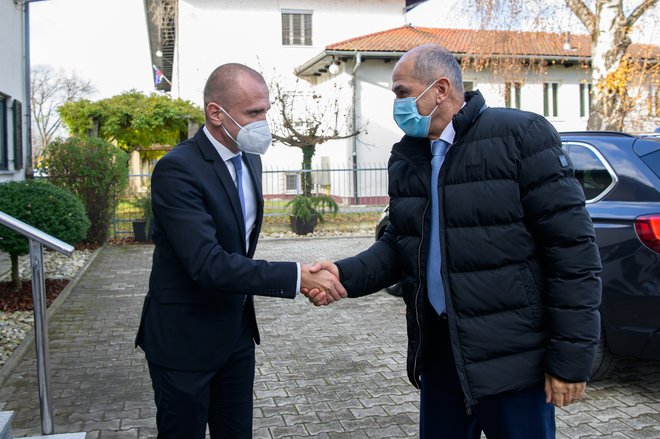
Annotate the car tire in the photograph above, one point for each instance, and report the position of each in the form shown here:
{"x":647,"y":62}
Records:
{"x":604,"y":361}
{"x":395,"y":290}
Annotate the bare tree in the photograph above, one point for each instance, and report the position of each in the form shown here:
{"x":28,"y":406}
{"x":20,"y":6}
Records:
{"x":609,"y":24}
{"x":50,"y":90}
{"x":305,"y":118}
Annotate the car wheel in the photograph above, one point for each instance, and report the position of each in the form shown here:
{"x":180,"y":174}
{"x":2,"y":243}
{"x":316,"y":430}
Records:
{"x":604,"y":361}
{"x":395,"y":290}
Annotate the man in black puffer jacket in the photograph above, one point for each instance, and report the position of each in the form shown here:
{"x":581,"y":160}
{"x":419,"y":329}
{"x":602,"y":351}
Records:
{"x":516,"y":262}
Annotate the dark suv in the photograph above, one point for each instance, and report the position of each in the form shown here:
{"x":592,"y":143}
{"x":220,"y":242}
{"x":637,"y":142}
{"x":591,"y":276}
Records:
{"x":620,"y":176}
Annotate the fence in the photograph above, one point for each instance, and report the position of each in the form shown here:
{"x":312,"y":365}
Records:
{"x":360,"y":192}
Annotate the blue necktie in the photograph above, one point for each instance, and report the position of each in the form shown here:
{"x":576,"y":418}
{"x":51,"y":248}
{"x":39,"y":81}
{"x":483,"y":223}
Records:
{"x":433,"y":276}
{"x":238,"y":166}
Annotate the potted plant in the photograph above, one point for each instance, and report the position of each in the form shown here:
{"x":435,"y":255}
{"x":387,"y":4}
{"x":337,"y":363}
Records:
{"x":307,"y":210}
{"x":141,"y":227}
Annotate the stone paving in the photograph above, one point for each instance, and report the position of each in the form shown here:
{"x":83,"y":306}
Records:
{"x":334,"y":372}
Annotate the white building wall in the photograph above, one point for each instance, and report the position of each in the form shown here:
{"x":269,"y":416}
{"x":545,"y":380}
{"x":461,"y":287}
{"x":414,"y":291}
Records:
{"x":211,"y":33}
{"x":12,"y":76}
{"x":375,"y":99}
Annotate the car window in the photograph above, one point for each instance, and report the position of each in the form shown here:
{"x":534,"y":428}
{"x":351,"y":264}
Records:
{"x":653,"y":161}
{"x":590,"y":170}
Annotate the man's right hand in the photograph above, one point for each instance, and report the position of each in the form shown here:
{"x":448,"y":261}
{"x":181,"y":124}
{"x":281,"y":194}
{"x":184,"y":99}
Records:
{"x":321,"y":286}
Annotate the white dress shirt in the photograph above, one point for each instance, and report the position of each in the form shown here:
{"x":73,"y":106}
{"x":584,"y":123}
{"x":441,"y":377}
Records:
{"x":249,"y":194}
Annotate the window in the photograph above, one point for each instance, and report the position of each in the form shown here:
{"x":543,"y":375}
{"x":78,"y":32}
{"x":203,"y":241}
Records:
{"x":652,"y":160}
{"x":512,"y":95}
{"x":468,"y":85}
{"x":291,"y":183}
{"x":296,"y":28}
{"x":3,"y":133}
{"x":18,"y":134}
{"x":592,"y":171}
{"x":585,"y":99}
{"x":550,"y":99}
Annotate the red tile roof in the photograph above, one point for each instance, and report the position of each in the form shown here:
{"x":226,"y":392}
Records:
{"x":483,"y":42}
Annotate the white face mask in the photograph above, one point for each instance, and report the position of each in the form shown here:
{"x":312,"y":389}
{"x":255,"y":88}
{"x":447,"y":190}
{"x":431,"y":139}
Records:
{"x":254,"y":137}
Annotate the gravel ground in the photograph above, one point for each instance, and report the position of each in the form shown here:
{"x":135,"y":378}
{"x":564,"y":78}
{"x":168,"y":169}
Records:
{"x":15,"y":326}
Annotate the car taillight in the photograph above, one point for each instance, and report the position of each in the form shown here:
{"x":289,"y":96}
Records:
{"x":648,"y":230}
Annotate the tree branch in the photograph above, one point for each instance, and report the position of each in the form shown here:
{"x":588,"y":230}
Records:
{"x":583,"y":13}
{"x":639,"y":11}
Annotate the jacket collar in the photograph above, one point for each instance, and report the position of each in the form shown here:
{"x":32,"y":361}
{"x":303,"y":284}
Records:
{"x":463,"y":120}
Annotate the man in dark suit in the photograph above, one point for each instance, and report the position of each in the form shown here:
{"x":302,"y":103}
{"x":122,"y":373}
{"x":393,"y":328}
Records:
{"x":198,"y":326}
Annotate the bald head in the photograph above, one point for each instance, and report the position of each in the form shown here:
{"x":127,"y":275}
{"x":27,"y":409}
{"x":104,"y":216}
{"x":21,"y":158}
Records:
{"x":431,"y":61}
{"x":221,"y":87}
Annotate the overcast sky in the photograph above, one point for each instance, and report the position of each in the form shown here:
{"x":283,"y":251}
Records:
{"x":106,"y":41}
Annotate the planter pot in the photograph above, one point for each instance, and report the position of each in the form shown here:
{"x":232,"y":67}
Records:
{"x":302,"y":228}
{"x":139,"y":230}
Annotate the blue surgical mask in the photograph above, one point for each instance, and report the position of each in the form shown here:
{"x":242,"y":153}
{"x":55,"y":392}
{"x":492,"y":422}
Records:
{"x":407,"y":117}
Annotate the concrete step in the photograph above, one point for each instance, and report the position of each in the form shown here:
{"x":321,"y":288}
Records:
{"x":5,"y":424}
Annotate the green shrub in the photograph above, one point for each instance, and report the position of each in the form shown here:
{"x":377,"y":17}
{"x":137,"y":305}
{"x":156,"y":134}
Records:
{"x":53,"y":210}
{"x":93,"y":169}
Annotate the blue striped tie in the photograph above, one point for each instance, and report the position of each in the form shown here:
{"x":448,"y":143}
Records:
{"x":238,"y":166}
{"x":434,"y":285}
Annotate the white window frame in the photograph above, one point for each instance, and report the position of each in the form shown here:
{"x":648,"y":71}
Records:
{"x":294,"y":190}
{"x":513,"y":94}
{"x":304,"y":39}
{"x":585,"y":99}
{"x":551,"y":99}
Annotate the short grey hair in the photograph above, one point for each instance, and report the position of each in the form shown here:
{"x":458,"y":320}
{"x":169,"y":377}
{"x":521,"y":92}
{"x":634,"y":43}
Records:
{"x":433,"y":61}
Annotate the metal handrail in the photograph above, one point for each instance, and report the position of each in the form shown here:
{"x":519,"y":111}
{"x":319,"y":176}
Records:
{"x":35,"y":234}
{"x":37,"y":239}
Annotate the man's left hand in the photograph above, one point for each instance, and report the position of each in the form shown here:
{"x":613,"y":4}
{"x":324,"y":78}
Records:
{"x":562,"y":393}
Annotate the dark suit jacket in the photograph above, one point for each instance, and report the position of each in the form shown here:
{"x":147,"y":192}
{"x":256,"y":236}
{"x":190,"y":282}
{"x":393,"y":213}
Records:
{"x":201,"y":270}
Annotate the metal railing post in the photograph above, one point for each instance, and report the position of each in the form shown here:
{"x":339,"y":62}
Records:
{"x":41,"y":336}
{"x":37,"y":239}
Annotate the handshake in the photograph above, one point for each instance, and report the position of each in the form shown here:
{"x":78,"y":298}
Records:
{"x":319,"y":282}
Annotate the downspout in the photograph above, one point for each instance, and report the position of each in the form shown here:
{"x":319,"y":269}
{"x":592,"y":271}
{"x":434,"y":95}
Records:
{"x":358,"y":61}
{"x":29,"y":166}
{"x":29,"y":172}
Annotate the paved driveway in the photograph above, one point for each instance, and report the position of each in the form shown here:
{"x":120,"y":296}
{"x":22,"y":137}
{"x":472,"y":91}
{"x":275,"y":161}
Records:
{"x":334,"y":372}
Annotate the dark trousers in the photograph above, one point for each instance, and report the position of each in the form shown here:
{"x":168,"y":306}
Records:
{"x":511,"y":415}
{"x":187,"y":401}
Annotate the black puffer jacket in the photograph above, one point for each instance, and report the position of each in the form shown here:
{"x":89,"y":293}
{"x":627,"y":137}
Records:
{"x":519,"y":262}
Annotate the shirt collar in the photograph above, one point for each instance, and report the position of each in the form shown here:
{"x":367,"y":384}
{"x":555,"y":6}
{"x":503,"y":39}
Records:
{"x":225,"y":153}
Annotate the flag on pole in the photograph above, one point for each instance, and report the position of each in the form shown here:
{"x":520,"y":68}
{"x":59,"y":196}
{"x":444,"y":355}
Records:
{"x":159,"y":76}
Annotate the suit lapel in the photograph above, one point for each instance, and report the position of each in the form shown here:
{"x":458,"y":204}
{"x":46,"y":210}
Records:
{"x":210,"y":154}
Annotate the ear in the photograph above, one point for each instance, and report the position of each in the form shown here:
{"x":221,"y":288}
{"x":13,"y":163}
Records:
{"x":444,"y":89}
{"x":214,"y":114}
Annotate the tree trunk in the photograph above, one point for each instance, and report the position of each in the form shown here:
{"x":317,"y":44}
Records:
{"x":306,"y":178}
{"x":15,"y":275}
{"x":609,"y":42}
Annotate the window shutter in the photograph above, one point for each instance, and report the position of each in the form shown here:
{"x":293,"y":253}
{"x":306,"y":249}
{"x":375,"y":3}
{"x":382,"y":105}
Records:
{"x":17,"y":108}
{"x":286,"y":29}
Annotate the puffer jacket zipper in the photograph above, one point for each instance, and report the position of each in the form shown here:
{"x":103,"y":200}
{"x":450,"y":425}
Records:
{"x":416,"y":301}
{"x":451,"y":315}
